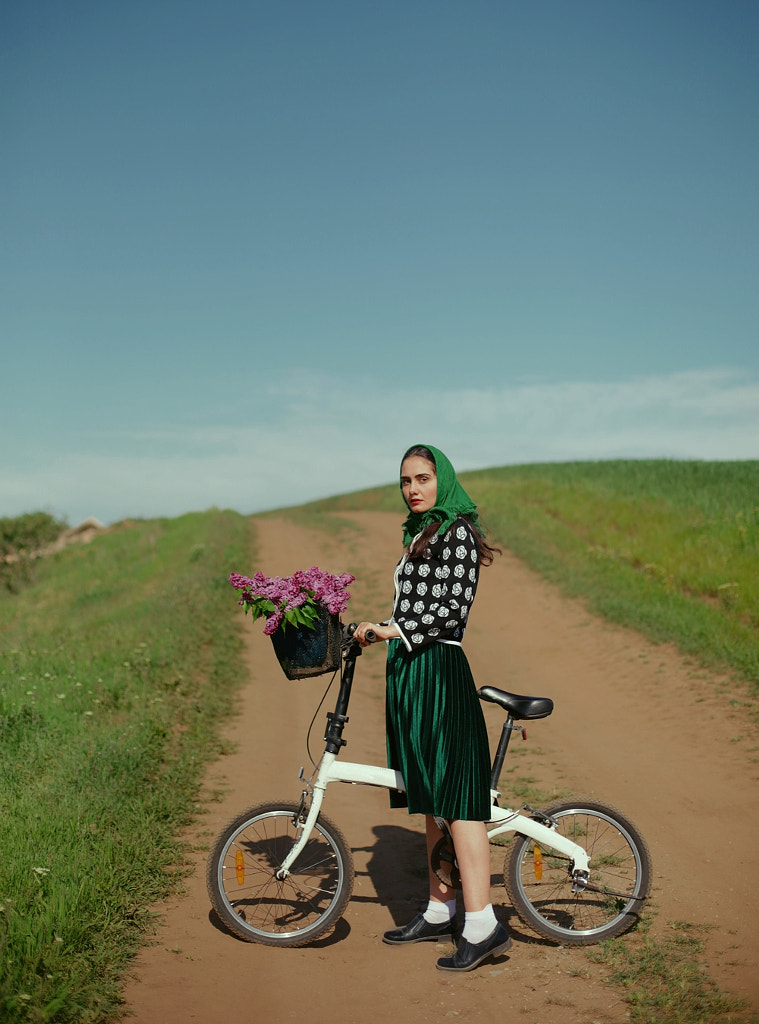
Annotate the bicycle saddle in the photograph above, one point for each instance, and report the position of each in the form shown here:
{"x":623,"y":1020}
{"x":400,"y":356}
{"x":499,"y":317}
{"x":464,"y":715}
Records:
{"x":520,"y":708}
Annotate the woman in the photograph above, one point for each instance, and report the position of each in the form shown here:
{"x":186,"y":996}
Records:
{"x":436,"y":734}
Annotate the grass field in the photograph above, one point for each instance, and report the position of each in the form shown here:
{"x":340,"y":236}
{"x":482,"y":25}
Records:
{"x":115,"y":669}
{"x":119,"y":662}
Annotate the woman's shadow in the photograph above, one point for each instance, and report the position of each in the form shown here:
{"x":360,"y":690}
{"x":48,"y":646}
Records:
{"x":397,"y":869}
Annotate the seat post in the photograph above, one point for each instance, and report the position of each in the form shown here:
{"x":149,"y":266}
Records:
{"x":500,"y":754}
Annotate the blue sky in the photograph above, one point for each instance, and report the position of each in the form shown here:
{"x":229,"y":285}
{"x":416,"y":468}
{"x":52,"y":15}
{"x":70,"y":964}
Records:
{"x":251,"y":251}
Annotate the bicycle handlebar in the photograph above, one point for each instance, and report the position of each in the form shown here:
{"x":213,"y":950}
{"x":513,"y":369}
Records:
{"x":370,"y":635}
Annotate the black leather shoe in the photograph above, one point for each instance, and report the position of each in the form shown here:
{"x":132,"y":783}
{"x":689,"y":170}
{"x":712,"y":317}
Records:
{"x":470,"y":954}
{"x":418,"y":930}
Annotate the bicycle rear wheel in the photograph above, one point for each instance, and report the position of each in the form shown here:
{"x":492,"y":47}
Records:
{"x":539,"y":881}
{"x":259,"y":907}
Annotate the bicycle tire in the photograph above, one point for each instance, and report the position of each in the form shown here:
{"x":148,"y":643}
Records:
{"x":539,"y":883}
{"x":248,"y":897}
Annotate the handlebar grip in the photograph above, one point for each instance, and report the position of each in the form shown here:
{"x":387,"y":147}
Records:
{"x":371,"y":636}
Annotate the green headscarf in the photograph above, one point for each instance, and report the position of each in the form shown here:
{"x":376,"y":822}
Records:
{"x":452,"y":500}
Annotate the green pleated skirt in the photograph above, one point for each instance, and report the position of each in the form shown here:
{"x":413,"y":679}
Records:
{"x":436,"y":735}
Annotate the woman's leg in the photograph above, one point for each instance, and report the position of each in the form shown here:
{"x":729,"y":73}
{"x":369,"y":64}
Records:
{"x":482,"y":936}
{"x":473,"y":856}
{"x":439,"y":892}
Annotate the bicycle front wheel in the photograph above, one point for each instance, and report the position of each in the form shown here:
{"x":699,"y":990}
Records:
{"x":539,"y":881}
{"x":257,"y":906}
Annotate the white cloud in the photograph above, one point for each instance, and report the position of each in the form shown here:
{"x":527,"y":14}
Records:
{"x":316,"y":437}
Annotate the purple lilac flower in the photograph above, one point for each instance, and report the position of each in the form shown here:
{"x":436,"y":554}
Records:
{"x":273,"y":623}
{"x":306,"y":586}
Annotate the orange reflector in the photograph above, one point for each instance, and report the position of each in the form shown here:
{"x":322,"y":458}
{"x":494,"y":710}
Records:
{"x":537,"y":863}
{"x":240,"y":867}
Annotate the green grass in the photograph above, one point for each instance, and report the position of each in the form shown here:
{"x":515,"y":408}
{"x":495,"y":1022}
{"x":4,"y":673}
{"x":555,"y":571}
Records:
{"x":663,"y":981}
{"x":668,"y":548}
{"x":114,"y":670}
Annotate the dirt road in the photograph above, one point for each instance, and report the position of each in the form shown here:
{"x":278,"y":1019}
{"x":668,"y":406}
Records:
{"x":635,"y":724}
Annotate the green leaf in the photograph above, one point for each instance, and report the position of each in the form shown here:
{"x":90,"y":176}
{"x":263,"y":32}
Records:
{"x":310,"y":614}
{"x":305,"y":615}
{"x":259,"y":606}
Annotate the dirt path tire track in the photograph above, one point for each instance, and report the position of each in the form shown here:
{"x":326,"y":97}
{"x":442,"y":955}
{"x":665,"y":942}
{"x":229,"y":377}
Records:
{"x":635,"y":724}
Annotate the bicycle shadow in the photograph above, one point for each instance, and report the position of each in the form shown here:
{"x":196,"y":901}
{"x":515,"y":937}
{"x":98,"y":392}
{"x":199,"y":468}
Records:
{"x":397,"y":870}
{"x":339,"y":933}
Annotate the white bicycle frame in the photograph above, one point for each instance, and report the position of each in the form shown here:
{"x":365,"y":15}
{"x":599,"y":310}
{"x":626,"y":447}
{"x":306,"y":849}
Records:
{"x":502,"y":820}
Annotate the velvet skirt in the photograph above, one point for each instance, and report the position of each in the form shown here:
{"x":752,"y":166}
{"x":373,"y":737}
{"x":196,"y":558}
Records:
{"x":436,"y":734}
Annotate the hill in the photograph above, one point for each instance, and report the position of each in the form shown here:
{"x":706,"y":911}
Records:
{"x":667,"y":547}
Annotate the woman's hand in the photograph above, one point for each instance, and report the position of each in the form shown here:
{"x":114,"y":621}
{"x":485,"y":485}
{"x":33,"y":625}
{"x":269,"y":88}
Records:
{"x":380,"y":632}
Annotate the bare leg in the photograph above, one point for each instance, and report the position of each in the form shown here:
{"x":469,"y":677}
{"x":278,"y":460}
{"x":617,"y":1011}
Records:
{"x":482,"y":936}
{"x":439,"y":892}
{"x":473,"y":856}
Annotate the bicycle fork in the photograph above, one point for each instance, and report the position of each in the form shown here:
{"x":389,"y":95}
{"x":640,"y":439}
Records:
{"x":332,"y":770}
{"x":317,"y":796}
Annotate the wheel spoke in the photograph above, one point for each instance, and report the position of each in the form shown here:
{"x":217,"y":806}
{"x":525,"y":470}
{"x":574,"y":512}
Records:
{"x":257,"y":905}
{"x":547,"y":898}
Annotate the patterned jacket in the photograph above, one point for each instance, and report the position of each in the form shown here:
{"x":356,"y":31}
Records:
{"x":434,"y":591}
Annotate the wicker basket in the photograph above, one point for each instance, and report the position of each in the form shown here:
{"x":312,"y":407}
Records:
{"x":304,"y":652}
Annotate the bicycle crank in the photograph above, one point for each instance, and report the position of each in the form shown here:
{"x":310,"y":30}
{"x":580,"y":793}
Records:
{"x":444,"y":865}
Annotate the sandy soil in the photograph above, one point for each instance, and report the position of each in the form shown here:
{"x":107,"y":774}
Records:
{"x":635,"y":724}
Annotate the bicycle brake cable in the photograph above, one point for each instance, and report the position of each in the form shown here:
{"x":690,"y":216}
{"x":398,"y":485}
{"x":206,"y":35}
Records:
{"x":324,"y":697}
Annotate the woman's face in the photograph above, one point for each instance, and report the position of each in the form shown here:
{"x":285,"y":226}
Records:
{"x":418,"y":483}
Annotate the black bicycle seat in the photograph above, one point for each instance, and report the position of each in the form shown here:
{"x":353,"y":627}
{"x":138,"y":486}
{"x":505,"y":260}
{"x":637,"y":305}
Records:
{"x":519,"y":707}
